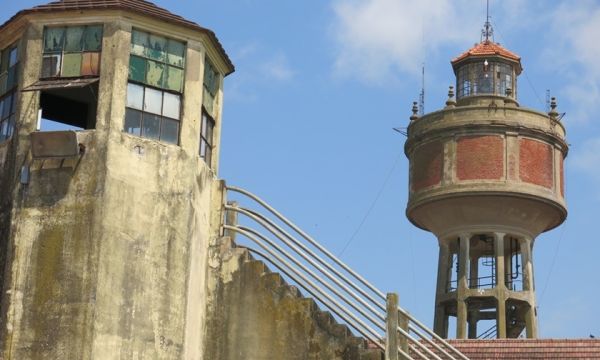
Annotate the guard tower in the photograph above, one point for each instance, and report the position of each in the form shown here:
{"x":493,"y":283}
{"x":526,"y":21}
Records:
{"x":486,"y":177}
{"x":110,"y":118}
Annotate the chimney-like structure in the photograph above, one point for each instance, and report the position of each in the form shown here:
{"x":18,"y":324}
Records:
{"x":486,"y":177}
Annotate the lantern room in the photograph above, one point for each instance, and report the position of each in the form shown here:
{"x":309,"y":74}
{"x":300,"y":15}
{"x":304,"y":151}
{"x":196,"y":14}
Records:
{"x":487,"y":69}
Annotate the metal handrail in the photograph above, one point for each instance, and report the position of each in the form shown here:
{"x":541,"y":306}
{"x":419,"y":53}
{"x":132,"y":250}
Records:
{"x":313,"y":289}
{"x":293,"y":243}
{"x":309,"y":239}
{"x":337,"y":277}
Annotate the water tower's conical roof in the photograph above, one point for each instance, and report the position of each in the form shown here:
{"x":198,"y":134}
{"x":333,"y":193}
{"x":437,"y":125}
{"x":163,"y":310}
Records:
{"x":487,"y":48}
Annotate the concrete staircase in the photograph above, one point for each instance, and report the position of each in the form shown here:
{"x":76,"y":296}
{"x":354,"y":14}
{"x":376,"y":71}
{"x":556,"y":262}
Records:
{"x":258,"y":315}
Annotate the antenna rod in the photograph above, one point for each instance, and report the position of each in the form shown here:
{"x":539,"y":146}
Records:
{"x":422,"y":94}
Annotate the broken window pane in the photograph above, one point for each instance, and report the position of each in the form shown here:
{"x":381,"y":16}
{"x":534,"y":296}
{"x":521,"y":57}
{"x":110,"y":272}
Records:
{"x":71,"y":65}
{"x":175,"y":52}
{"x":171,"y":104}
{"x":90,"y":64}
{"x":54,"y":39}
{"x":157,"y":48}
{"x":135,"y":96}
{"x":92,"y":40}
{"x":73,"y":41}
{"x":137,"y":69}
{"x":151,"y":126}
{"x":153,"y":101}
{"x":170,"y":131}
{"x":50,"y":66}
{"x":155,"y":74}
{"x":174,"y":79}
{"x":133,"y":120}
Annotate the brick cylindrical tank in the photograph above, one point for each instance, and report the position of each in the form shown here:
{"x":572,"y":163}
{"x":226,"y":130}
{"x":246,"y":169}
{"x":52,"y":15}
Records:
{"x":486,"y":177}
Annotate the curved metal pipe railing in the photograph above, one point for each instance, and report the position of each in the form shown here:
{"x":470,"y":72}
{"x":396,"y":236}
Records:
{"x":366,"y":299}
{"x":311,"y":287}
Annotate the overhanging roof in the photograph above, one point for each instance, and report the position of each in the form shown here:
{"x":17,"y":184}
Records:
{"x":60,"y":84}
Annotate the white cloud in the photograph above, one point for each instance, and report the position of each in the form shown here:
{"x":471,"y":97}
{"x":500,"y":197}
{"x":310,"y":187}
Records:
{"x":576,"y":49}
{"x":586,"y":158}
{"x":277,"y":68}
{"x":376,"y":38}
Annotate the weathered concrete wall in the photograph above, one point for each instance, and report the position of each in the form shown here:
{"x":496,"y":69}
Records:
{"x":254,"y":314}
{"x":106,"y":254}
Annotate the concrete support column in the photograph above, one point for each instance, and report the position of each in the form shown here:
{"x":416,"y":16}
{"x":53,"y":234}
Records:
{"x":231,"y":218}
{"x":440,"y":323}
{"x":528,"y":285}
{"x":473,"y":318}
{"x":500,"y":286}
{"x":461,"y":301}
{"x":391,"y":344}
{"x":474,"y":272}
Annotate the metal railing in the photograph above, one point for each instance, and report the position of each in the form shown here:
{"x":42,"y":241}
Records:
{"x":331,"y":282}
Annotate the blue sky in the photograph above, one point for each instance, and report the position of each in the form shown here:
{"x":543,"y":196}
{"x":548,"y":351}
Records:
{"x":308,"y":119}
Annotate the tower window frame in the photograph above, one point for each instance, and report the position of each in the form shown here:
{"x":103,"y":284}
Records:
{"x":148,"y":117}
{"x":9,"y":64}
{"x":207,"y":127}
{"x":211,"y":84}
{"x":475,"y":78}
{"x":72,"y":51}
{"x":155,"y":87}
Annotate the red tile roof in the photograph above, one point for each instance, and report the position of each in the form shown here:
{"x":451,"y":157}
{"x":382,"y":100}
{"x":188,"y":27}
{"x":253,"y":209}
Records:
{"x":487,"y":48}
{"x":136,"y":6}
{"x":529,"y":349}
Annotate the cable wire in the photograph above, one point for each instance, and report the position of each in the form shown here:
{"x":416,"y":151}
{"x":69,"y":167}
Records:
{"x":364,"y":219}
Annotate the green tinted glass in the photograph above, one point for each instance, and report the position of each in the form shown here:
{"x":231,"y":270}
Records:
{"x":174,"y":79}
{"x":155,"y":74}
{"x":208,"y":100}
{"x":176,"y":53}
{"x":54,"y":39}
{"x":157,"y":48}
{"x":139,"y":43}
{"x":137,"y":68}
{"x":71,"y":65}
{"x":73,"y":39}
{"x":92,"y":40}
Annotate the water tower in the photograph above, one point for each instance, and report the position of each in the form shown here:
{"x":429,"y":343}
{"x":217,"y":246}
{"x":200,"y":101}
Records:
{"x":486,"y":177}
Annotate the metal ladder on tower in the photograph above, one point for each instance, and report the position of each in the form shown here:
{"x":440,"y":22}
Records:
{"x":331,"y":282}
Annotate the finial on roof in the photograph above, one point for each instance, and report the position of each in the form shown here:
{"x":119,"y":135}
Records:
{"x":553,"y":113}
{"x":415,"y":112}
{"x":488,"y":31}
{"x":451,"y":102}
